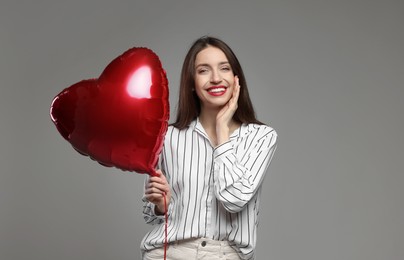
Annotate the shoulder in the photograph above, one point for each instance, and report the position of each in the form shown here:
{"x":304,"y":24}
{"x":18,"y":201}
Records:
{"x":172,"y":129}
{"x":174,"y":133}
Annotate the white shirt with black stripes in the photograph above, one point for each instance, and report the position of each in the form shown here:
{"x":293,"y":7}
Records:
{"x":215,"y":190}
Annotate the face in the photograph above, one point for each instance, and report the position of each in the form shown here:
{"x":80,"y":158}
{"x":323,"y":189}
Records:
{"x":214,"y":78}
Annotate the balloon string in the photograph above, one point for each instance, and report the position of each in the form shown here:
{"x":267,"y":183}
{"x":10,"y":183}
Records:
{"x":166,"y":225}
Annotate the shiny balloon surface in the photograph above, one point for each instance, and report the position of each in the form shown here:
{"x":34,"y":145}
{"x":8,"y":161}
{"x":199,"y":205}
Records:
{"x":119,"y":119}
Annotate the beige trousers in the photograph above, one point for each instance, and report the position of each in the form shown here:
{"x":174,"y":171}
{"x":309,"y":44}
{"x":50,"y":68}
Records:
{"x":194,"y":249}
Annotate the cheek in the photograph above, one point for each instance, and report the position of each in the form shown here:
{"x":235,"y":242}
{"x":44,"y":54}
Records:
{"x":230,"y":78}
{"x":199,"y":82}
{"x":198,"y":86}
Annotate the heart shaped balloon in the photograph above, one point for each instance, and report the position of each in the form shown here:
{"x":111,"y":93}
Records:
{"x":119,"y":119}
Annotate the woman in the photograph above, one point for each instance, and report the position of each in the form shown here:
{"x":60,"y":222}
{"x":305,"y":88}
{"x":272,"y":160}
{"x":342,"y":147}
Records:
{"x":212,"y":164}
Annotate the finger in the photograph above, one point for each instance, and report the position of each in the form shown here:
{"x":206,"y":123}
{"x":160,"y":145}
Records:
{"x":154,"y":195}
{"x":235,"y":96}
{"x":159,"y":188}
{"x":238,"y":83}
{"x":154,"y":198}
{"x":153,"y":191}
{"x":156,"y":180}
{"x":161,"y":179}
{"x":162,"y":187}
{"x":159,"y":175}
{"x":237,"y":93}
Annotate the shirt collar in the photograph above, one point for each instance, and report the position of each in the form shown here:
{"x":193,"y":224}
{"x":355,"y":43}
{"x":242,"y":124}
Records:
{"x":197,"y":126}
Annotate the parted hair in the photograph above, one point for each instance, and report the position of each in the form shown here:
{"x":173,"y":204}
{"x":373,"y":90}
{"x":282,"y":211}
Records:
{"x":189,"y":106}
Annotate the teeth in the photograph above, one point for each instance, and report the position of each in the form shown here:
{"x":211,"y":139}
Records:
{"x":214,"y":90}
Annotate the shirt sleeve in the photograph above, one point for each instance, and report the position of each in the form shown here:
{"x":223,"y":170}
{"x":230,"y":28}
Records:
{"x":238,"y":175}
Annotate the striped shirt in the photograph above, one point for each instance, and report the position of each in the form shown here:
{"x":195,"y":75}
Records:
{"x":215,"y":191}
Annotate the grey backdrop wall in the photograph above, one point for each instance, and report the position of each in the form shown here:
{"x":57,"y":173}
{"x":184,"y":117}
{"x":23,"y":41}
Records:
{"x":327,"y":75}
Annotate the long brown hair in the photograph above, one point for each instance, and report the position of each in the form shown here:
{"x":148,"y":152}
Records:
{"x":189,"y":106}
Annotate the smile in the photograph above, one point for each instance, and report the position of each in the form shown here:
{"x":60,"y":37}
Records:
{"x":217,"y":90}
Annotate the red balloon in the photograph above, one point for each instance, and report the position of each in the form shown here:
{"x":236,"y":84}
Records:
{"x":119,"y":119}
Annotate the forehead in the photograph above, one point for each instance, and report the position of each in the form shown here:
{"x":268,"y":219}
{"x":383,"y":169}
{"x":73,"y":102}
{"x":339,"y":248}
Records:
{"x":210,"y":55}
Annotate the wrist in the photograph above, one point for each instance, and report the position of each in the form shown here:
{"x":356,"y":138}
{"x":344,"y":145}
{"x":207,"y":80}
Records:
{"x":222,"y":138}
{"x":159,"y":209}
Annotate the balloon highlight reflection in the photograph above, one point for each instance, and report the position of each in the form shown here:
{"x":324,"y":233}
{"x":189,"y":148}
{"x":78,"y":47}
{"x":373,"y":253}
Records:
{"x":119,"y":119}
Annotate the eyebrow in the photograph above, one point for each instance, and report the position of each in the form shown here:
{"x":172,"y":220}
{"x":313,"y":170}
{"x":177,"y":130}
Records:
{"x":207,"y":65}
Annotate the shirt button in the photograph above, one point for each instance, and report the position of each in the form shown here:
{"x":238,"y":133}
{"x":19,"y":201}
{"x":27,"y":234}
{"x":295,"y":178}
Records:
{"x":203,"y":243}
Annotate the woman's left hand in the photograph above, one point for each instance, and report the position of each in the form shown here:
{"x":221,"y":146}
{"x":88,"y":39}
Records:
{"x":225,"y":115}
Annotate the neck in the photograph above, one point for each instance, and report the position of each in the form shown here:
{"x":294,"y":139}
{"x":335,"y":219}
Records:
{"x":207,"y":118}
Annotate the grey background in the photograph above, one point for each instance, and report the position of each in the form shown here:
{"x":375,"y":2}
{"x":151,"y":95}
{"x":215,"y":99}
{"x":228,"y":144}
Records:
{"x":328,"y":75}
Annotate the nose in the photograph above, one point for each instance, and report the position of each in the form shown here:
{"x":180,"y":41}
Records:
{"x":215,"y":77}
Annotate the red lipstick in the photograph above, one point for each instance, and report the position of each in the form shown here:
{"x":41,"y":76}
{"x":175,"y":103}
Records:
{"x":217,"y":90}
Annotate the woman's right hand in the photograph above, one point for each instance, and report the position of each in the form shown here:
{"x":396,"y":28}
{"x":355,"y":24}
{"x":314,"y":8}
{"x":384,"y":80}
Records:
{"x":156,"y":187}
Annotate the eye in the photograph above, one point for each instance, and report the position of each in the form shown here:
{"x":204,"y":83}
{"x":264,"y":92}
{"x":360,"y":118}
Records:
{"x":225,"y":68}
{"x":202,"y":70}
